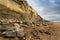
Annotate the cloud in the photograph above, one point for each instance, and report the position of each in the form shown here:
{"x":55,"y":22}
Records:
{"x":48,"y":9}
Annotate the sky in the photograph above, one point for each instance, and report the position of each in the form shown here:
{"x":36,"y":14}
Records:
{"x":47,"y":9}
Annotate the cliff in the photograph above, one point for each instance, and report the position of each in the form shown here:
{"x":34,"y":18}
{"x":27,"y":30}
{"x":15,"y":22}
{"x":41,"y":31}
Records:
{"x":19,"y":21}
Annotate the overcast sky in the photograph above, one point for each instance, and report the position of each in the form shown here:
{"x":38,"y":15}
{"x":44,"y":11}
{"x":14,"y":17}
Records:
{"x":47,"y":9}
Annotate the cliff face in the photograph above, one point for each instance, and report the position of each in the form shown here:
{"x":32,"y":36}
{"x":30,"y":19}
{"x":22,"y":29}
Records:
{"x":20,"y":8}
{"x":19,"y":21}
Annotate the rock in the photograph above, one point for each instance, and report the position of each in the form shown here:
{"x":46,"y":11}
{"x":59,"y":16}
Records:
{"x":17,"y":26}
{"x":9,"y":34}
{"x":25,"y":24}
{"x":38,"y":24}
{"x":2,"y":28}
{"x":3,"y":21}
{"x":0,"y":22}
{"x":47,"y":32}
{"x":20,"y":32}
{"x":34,"y":33}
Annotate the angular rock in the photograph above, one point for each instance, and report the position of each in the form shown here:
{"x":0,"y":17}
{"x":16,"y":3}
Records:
{"x":20,"y":32}
{"x":9,"y":34}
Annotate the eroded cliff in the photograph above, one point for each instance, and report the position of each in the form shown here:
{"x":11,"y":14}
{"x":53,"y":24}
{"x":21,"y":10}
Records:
{"x":19,"y":21}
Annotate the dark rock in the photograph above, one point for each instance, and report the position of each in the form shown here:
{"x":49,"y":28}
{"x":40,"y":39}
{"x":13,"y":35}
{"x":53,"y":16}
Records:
{"x":48,"y":33}
{"x":26,"y":23}
{"x":33,"y":23}
{"x":0,"y":22}
{"x":34,"y":33}
{"x":40,"y":31}
{"x":2,"y":28}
